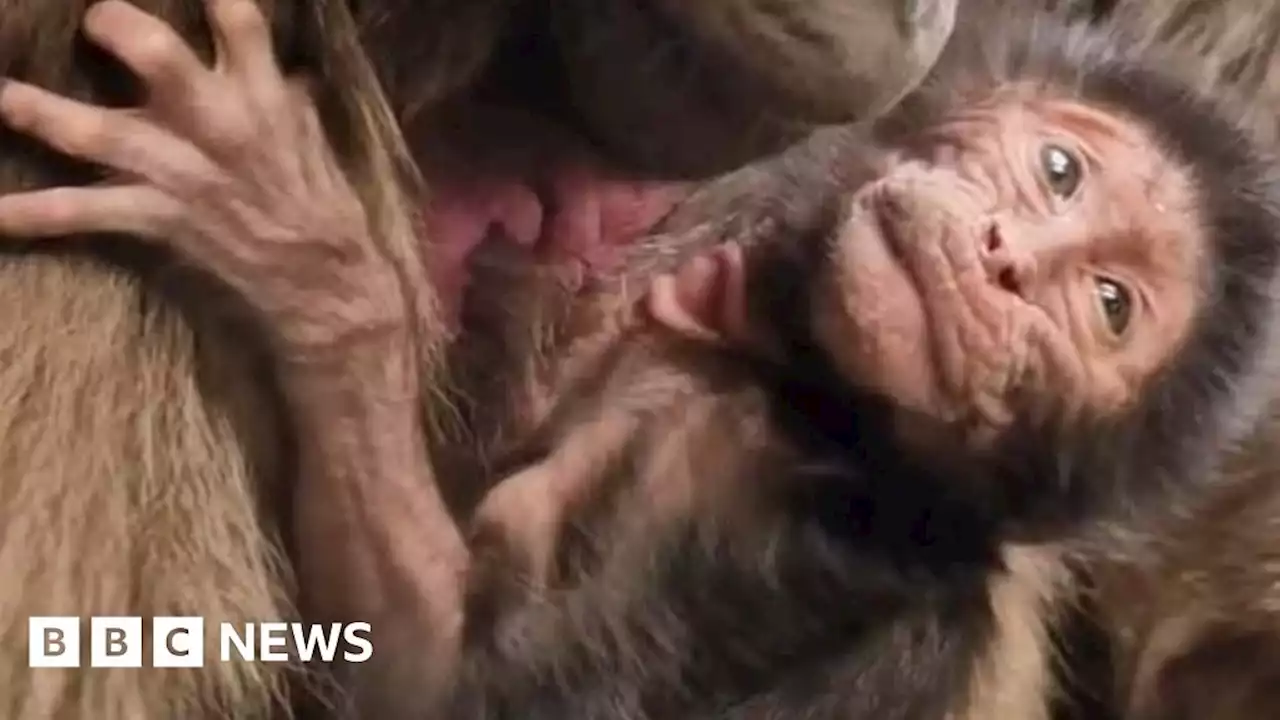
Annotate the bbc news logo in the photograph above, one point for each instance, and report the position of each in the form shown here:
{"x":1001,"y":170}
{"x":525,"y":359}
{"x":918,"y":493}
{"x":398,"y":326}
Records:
{"x":179,"y":642}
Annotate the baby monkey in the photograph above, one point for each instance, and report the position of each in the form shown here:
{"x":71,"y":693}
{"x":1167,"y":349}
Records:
{"x":850,"y":462}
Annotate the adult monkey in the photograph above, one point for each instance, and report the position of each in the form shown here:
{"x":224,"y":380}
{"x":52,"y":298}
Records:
{"x":1241,"y":219}
{"x":101,"y":358}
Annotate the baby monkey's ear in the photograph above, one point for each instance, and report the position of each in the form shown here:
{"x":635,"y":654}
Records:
{"x":705,"y":298}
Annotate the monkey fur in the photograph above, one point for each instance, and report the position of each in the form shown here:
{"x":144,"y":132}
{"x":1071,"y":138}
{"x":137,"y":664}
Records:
{"x":668,"y":87}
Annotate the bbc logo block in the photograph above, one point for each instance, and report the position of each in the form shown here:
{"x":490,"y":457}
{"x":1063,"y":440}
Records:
{"x":179,"y":642}
{"x":115,"y":642}
{"x":54,"y":642}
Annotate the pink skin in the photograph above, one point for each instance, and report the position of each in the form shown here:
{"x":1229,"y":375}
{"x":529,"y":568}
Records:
{"x":499,"y":170}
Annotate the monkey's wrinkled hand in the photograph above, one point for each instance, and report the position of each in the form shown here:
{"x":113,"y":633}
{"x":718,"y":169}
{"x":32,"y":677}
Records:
{"x":229,"y":167}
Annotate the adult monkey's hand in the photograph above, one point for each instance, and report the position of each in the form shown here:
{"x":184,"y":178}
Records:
{"x":230,"y":167}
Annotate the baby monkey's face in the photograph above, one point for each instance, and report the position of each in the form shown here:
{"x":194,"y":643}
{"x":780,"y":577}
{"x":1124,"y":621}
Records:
{"x":1026,"y":252}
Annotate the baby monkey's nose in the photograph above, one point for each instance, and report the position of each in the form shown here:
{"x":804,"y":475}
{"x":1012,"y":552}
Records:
{"x":1006,"y":266}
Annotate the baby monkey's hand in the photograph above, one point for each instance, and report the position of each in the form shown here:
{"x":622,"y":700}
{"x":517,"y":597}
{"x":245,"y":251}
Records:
{"x":230,"y":168}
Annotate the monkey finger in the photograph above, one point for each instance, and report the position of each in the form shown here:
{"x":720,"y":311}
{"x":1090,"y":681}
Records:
{"x":667,"y":303}
{"x":244,"y":38}
{"x":154,"y":51}
{"x":121,"y":140}
{"x":66,"y":211}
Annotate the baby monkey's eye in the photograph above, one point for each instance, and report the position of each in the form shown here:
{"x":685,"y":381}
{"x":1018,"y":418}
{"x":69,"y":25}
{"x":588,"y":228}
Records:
{"x":1116,"y":304}
{"x":1061,"y":170}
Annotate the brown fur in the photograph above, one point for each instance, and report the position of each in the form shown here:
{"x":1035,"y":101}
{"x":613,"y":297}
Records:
{"x":142,"y":465}
{"x":1015,"y":678}
{"x":1191,"y":607}
{"x":737,"y":78}
{"x":428,"y":49}
{"x":1234,"y":42}
{"x":667,"y":87}
{"x":1194,"y":613}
